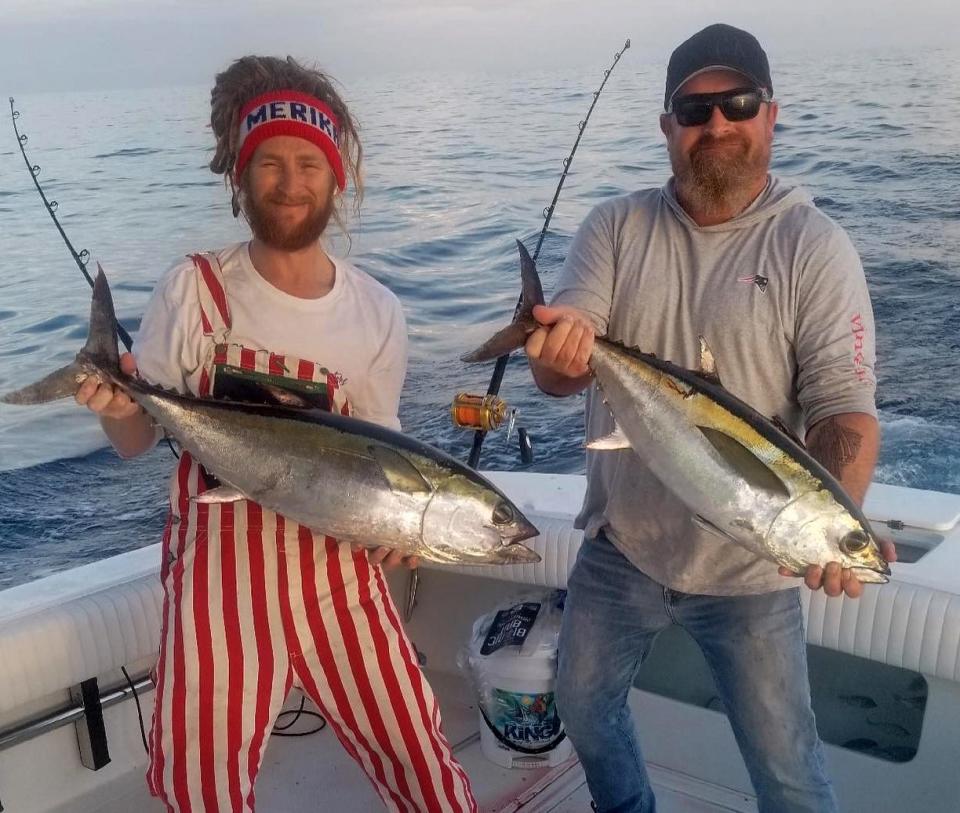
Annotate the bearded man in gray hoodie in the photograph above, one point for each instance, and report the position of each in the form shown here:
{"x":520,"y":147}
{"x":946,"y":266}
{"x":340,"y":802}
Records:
{"x":728,"y":252}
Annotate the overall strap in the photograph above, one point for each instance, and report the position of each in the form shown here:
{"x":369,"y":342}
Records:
{"x":214,"y":311}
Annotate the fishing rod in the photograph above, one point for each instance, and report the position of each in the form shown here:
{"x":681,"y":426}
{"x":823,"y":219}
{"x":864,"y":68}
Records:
{"x":489,"y":411}
{"x":82,"y":257}
{"x":497,"y":378}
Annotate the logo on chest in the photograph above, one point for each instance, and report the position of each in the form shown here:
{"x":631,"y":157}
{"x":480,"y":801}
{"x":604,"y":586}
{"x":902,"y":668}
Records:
{"x":755,"y":279}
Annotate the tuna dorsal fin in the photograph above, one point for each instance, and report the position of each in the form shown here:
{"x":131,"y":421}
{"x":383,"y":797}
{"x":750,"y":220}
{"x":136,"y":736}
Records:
{"x":777,"y":421}
{"x":708,"y":364}
{"x":401,"y":474}
{"x":612,"y":442}
{"x":744,"y":462}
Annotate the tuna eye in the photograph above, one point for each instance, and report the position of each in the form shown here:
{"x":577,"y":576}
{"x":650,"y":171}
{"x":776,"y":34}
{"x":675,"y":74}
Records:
{"x":503,"y":514}
{"x":854,"y":542}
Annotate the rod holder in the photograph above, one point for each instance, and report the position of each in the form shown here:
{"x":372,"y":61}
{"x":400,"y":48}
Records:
{"x":91,"y":731}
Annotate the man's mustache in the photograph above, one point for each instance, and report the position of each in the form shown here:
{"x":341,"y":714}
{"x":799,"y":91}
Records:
{"x":706,"y":141}
{"x":282,"y":200}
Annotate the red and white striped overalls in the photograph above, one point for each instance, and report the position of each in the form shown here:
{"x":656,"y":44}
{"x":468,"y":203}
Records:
{"x":254,"y":604}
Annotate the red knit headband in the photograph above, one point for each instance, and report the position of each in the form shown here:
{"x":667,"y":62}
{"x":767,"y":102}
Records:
{"x":292,"y":113}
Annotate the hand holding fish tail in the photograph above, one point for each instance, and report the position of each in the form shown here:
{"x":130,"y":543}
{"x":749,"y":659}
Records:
{"x":560,"y":348}
{"x":104,"y":397}
{"x":130,"y":430}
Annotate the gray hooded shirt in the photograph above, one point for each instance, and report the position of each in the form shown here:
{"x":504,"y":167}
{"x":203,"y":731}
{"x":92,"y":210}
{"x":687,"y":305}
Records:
{"x":779,"y":294}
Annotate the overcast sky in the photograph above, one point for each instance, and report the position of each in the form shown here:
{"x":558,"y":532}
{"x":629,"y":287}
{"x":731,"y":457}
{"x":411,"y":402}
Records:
{"x":104,"y":44}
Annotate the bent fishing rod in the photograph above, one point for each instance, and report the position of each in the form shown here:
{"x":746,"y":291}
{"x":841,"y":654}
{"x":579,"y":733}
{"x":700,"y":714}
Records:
{"x":82,"y":257}
{"x":501,"y":365}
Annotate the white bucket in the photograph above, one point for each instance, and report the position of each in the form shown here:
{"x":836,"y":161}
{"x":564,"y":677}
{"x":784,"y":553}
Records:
{"x":519,"y":724}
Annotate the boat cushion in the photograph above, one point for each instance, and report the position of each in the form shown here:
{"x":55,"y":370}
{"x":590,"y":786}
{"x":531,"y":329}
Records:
{"x":901,"y":624}
{"x":44,"y":652}
{"x":88,"y":636}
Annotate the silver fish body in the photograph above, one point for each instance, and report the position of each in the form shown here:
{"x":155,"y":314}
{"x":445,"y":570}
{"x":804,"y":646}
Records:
{"x":740,"y":475}
{"x":344,"y":477}
{"x":348,"y":478}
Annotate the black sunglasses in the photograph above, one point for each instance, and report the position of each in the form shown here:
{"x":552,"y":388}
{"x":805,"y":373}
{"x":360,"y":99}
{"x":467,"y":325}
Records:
{"x":739,"y":104}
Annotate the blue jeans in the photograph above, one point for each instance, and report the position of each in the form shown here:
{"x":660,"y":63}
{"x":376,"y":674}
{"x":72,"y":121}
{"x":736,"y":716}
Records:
{"x":755,"y":648}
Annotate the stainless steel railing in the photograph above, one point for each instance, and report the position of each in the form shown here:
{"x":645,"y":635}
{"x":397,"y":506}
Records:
{"x":69,"y":713}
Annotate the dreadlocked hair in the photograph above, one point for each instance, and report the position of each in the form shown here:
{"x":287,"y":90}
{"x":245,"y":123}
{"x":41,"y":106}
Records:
{"x":251,"y":76}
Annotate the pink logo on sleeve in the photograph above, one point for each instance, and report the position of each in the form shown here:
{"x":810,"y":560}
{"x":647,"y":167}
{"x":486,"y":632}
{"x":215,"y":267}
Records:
{"x":859,"y":332}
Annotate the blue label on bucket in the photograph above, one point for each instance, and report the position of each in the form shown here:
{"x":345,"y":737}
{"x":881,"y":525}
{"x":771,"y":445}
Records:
{"x":510,"y":627}
{"x":524,"y":719}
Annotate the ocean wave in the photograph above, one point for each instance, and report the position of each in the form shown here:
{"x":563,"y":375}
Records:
{"x":130,"y":152}
{"x":446,"y":196}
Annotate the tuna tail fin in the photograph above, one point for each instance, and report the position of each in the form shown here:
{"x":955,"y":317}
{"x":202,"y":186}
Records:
{"x":515,"y":334}
{"x":61,"y":384}
{"x":99,"y":353}
{"x":101,"y":347}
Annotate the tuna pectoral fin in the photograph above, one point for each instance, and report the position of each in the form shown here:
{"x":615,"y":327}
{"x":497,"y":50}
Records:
{"x":61,"y":384}
{"x":709,"y":527}
{"x":402,"y":476}
{"x":219,"y":495}
{"x":612,"y":442}
{"x":744,"y":462}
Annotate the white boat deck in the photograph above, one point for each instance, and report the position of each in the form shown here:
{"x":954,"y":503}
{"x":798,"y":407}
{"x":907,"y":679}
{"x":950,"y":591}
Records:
{"x":298,"y":771}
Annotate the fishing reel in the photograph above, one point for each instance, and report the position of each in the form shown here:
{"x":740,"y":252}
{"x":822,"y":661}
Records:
{"x":484,"y":413}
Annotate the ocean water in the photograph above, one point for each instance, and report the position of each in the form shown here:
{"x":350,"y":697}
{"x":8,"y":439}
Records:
{"x":457,"y":167}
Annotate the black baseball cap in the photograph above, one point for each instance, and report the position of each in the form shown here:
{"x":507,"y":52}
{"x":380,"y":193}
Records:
{"x":717,"y":46}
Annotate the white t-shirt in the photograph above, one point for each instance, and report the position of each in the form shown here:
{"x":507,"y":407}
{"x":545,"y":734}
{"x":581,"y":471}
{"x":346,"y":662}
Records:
{"x":357,"y":330}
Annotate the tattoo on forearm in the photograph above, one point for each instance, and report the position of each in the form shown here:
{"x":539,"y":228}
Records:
{"x":835,"y":445}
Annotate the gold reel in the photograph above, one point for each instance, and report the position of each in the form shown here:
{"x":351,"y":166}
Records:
{"x":485,"y":412}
